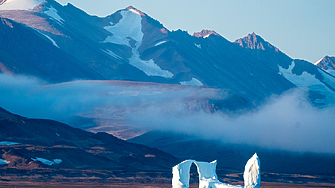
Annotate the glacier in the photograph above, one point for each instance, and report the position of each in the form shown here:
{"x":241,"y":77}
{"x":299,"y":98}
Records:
{"x":130,"y":28}
{"x":208,"y":177}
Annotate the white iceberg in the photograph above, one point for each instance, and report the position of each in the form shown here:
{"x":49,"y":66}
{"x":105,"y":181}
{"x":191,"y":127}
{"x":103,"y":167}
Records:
{"x":208,"y":177}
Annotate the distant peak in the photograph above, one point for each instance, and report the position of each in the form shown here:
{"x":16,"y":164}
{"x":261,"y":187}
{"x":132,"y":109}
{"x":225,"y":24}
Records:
{"x":134,"y":10}
{"x":254,"y":41}
{"x":205,"y":33}
{"x":326,"y":63}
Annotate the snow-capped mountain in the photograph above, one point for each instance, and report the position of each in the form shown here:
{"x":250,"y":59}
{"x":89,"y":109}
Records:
{"x":303,"y":74}
{"x":130,"y":45}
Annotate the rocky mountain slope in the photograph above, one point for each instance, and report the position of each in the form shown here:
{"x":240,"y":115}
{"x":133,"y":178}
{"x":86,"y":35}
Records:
{"x":327,"y":64}
{"x":23,"y":52}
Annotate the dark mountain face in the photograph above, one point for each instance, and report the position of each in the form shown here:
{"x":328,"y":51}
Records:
{"x":22,"y":52}
{"x":77,"y":149}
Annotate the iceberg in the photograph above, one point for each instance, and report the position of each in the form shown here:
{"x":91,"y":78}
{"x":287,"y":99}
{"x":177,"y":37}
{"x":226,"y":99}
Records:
{"x":208,"y":177}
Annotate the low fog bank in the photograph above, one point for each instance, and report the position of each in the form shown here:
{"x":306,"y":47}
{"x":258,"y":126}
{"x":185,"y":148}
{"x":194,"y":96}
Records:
{"x":34,"y":98}
{"x":286,"y":122}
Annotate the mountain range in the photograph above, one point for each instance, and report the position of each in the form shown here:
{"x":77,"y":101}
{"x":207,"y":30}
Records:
{"x":130,"y":45}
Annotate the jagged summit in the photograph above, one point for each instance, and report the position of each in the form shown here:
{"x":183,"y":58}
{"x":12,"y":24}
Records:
{"x":205,"y":33}
{"x":326,"y":63}
{"x":133,"y":9}
{"x":253,"y":41}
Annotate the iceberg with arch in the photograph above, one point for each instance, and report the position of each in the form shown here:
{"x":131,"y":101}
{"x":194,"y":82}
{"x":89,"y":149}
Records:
{"x":208,"y":177}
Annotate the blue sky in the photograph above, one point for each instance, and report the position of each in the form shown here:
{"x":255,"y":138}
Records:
{"x":303,"y":29}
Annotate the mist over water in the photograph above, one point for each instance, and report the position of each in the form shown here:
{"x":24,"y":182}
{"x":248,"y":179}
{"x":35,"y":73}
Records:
{"x":285,"y":122}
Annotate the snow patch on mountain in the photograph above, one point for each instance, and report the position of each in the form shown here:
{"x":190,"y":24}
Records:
{"x":135,"y":11}
{"x":308,"y":81}
{"x":58,"y":161}
{"x":130,"y":28}
{"x":47,"y":162}
{"x":159,"y":43}
{"x":109,"y":52}
{"x":4,"y":162}
{"x":5,"y":143}
{"x":148,"y":67}
{"x":53,"y":42}
{"x":198,"y":45}
{"x":193,"y":82}
{"x":53,"y":14}
{"x":20,"y":4}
